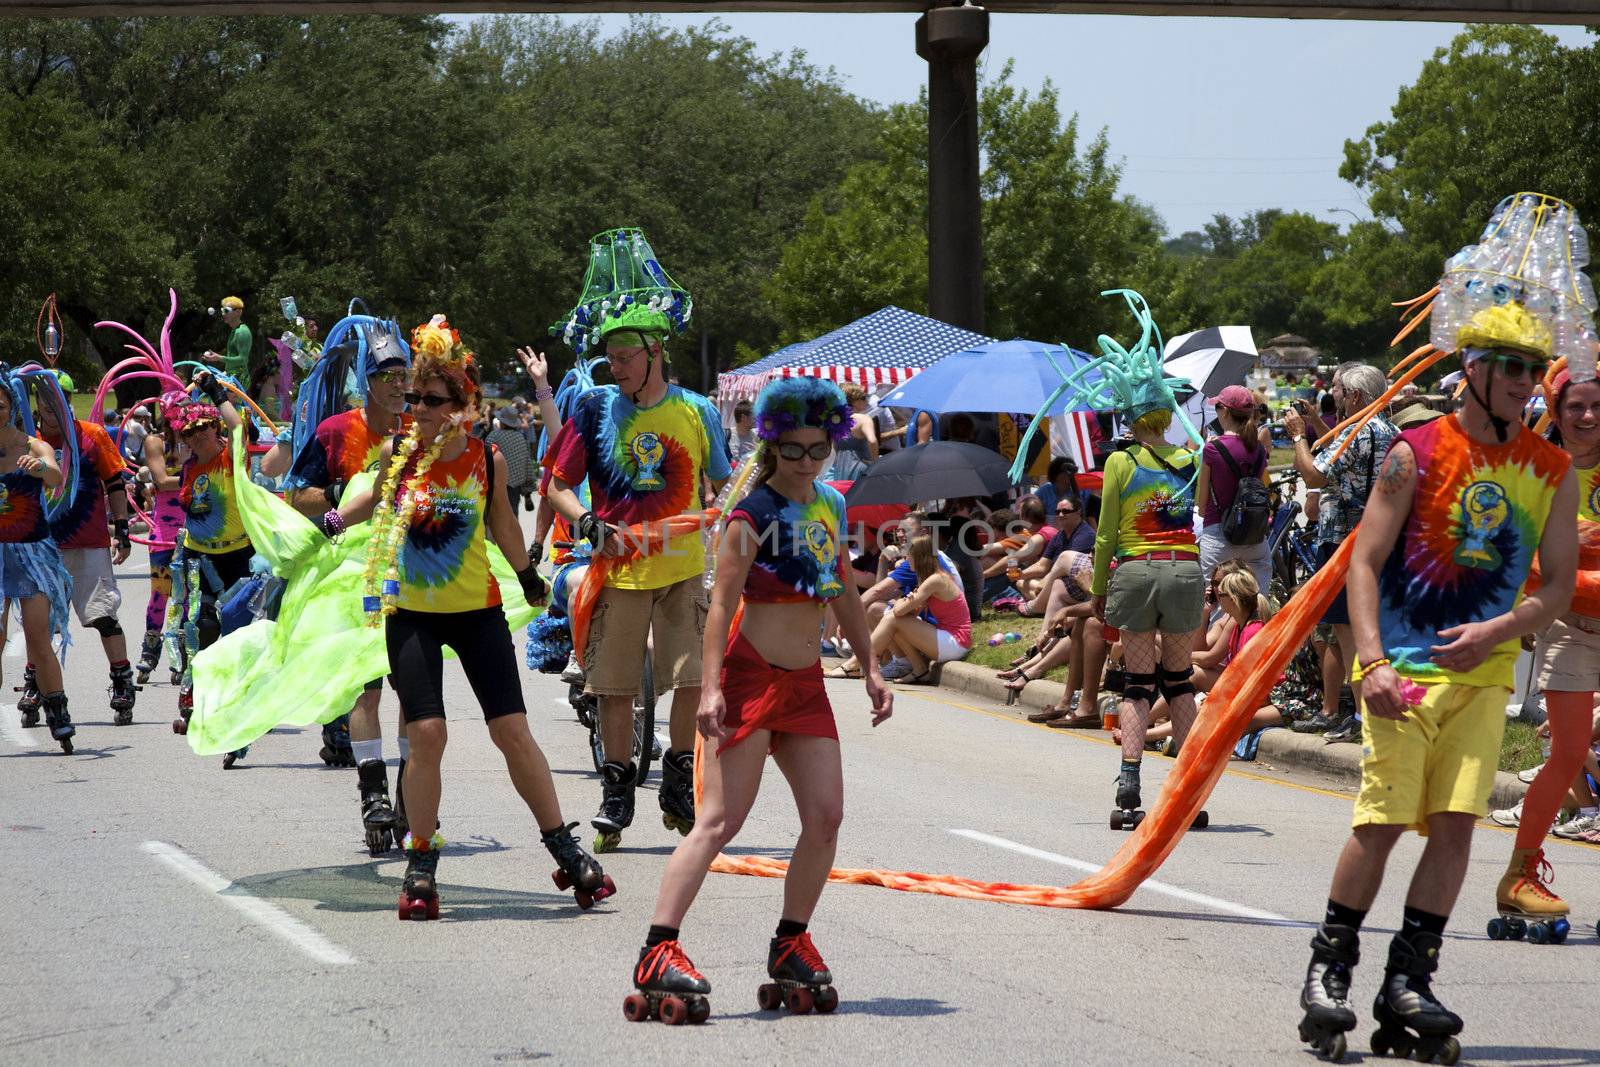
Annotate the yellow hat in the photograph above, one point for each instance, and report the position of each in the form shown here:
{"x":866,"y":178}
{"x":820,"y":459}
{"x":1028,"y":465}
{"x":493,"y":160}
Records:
{"x":233,"y":302}
{"x":1506,"y":326}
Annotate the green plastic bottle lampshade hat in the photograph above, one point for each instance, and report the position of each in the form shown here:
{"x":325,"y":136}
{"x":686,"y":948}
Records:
{"x":625,"y":288}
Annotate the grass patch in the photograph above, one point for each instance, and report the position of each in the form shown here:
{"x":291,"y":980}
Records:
{"x":1522,"y":748}
{"x":1001,"y":655}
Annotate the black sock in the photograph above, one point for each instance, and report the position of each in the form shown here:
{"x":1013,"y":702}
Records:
{"x":1339,"y":915}
{"x":659,"y":934}
{"x":790,"y":928}
{"x":1417,"y":921}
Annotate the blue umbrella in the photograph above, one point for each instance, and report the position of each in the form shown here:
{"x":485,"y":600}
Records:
{"x":1003,"y":376}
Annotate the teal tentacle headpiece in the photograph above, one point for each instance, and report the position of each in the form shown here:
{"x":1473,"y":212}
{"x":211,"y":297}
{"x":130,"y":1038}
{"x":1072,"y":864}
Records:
{"x":1132,"y":381}
{"x":625,"y":288}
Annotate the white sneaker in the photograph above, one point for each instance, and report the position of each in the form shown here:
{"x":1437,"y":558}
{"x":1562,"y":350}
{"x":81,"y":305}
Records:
{"x":1527,"y":776}
{"x":1511,"y":817}
{"x":572,"y":674}
{"x":1578,"y":825}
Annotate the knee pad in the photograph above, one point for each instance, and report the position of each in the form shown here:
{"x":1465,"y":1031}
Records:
{"x":208,"y":627}
{"x":1138,"y":689}
{"x":1176,"y":683}
{"x":108,"y":625}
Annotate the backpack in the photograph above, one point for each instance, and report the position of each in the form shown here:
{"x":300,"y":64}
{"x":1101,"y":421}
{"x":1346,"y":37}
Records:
{"x":1249,"y":517}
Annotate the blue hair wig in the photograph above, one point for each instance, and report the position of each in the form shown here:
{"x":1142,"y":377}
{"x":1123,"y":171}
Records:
{"x":44,"y":384}
{"x":801,"y":403}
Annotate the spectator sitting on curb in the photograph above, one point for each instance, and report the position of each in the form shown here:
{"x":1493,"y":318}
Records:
{"x":923,"y":644}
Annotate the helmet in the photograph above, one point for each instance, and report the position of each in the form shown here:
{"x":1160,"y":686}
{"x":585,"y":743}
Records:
{"x":1508,"y":325}
{"x":636,"y":316}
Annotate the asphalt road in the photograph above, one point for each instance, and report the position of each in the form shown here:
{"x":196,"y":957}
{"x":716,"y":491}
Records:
{"x":159,"y":909}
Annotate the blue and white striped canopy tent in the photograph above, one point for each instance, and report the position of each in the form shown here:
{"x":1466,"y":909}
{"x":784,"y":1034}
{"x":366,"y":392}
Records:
{"x":880,"y":350}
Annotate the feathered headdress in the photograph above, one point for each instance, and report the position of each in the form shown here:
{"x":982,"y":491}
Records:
{"x":795,"y":403}
{"x":1132,"y":381}
{"x":625,"y":288}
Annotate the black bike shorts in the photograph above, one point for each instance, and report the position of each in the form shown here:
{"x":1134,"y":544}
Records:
{"x":416,"y":641}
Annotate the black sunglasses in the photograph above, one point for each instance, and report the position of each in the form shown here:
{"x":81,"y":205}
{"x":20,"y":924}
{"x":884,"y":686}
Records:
{"x":432,"y":400}
{"x":792,"y":451}
{"x":1066,"y":511}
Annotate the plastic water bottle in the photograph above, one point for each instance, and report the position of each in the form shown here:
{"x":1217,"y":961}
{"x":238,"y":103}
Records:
{"x":287,"y":306}
{"x":52,"y":340}
{"x":1013,"y":637}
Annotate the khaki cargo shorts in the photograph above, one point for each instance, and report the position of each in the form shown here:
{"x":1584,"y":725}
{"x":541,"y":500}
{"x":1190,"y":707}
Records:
{"x":625,"y":619}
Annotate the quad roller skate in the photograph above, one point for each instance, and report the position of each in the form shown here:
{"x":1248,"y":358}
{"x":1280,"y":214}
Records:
{"x":1527,"y":906}
{"x":1326,"y":996}
{"x":149,"y":658}
{"x":336,"y":751}
{"x":180,"y":725}
{"x":59,"y":722}
{"x":670,"y":989}
{"x":576,"y":869}
{"x":676,"y":793}
{"x":1411,"y":1022}
{"x":378,"y":819}
{"x":122,"y":694}
{"x":800,"y":980}
{"x":30,"y":701}
{"x":1128,"y":814}
{"x":616,"y":805}
{"x":419,"y":893}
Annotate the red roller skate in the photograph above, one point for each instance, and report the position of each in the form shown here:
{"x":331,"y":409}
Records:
{"x":576,"y":869}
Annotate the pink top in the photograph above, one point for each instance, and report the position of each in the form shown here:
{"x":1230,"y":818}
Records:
{"x":953,"y":617}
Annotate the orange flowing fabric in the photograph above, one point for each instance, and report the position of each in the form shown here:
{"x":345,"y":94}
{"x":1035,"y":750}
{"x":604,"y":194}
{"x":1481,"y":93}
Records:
{"x":1238,"y":694}
{"x":638,"y":540}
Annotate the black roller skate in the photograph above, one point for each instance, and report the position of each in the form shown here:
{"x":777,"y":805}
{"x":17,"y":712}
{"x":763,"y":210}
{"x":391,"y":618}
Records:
{"x":122,"y":694}
{"x":616,"y":805}
{"x":419,"y":893}
{"x":676,"y":794}
{"x":1411,"y":1022}
{"x":234,"y":757}
{"x":60,"y":723}
{"x":30,"y":701}
{"x":1128,"y":813}
{"x":149,"y":657}
{"x":401,"y":827}
{"x":1326,"y":996}
{"x":670,"y":989}
{"x":336,"y":751}
{"x":800,"y":980}
{"x":378,"y":819}
{"x":576,"y":869}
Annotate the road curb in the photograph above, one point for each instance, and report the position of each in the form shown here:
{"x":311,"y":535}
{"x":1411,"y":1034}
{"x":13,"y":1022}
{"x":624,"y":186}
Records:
{"x":1308,"y":751}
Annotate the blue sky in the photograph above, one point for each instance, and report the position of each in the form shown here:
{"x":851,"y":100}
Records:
{"x":1208,"y":115}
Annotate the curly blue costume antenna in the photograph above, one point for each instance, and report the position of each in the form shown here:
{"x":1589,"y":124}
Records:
{"x":44,"y":382}
{"x":1133,"y":382}
{"x":349,"y":350}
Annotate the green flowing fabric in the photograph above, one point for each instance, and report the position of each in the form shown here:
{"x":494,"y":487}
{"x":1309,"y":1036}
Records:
{"x":309,"y":665}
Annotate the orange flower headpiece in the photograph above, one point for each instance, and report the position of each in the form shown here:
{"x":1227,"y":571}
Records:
{"x":436,"y":346}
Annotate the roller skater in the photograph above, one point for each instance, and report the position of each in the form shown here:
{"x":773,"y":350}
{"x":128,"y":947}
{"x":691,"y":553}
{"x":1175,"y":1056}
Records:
{"x":779,"y":553}
{"x":670,"y":989}
{"x":575,"y":868}
{"x":676,"y":794}
{"x":31,"y":572}
{"x":429,"y":585}
{"x":1527,"y":906}
{"x":122,"y":694}
{"x":30,"y":701}
{"x":800,"y":980}
{"x":616,"y":805}
{"x":164,"y":456}
{"x":646,"y":447}
{"x":378,"y":819}
{"x":1411,"y":1021}
{"x":419,"y":892}
{"x":1437,"y":619}
{"x":1335,"y":950}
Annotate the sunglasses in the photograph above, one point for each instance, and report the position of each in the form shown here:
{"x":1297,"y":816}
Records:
{"x":432,"y":400}
{"x":1516,"y":366}
{"x":1066,"y":511}
{"x":793,"y":452}
{"x":390,"y":377}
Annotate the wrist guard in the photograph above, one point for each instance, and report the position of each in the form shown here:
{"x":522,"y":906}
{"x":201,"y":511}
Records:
{"x":120,"y":528}
{"x":533,"y":586}
{"x":332,"y":493}
{"x":591,"y":529}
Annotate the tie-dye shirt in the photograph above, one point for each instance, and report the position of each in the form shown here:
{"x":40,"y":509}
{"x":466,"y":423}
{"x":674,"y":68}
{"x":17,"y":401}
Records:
{"x":214,"y":525}
{"x":797,"y":545}
{"x":343,"y":446}
{"x":644,"y":465}
{"x":1466,"y":548}
{"x":1586,"y":597}
{"x":22,"y":508}
{"x":1145,"y":507}
{"x":84,"y":523}
{"x":444,"y":563}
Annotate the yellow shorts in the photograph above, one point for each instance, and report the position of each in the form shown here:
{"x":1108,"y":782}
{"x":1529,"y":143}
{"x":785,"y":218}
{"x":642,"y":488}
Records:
{"x":1441,"y":757}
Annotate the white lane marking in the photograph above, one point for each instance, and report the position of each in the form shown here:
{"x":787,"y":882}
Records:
{"x":12,"y":725}
{"x":258,"y":911}
{"x":1214,"y":903}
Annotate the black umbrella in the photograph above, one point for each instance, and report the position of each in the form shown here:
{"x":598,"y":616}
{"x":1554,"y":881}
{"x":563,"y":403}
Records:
{"x":937,"y":470}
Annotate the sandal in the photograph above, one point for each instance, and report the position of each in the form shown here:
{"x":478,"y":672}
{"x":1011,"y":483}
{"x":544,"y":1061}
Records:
{"x":927,"y":677}
{"x":1014,"y":691}
{"x":853,"y":673}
